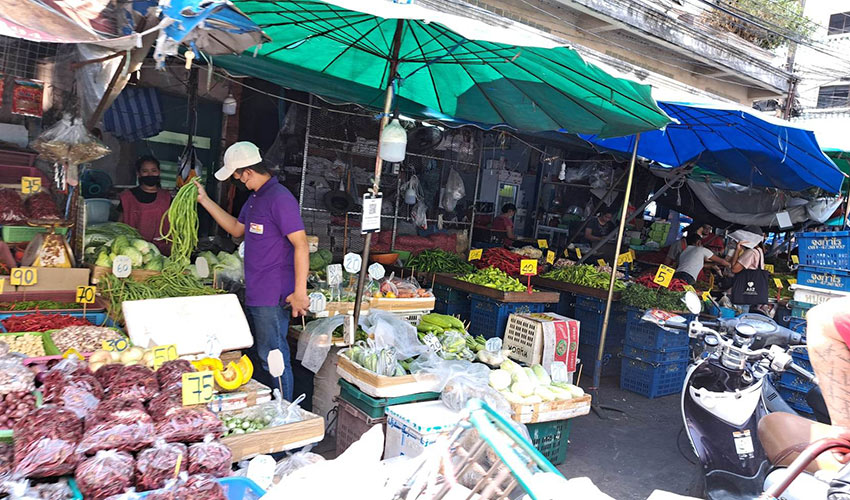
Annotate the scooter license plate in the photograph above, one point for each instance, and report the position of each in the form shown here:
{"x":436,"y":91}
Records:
{"x":743,"y":443}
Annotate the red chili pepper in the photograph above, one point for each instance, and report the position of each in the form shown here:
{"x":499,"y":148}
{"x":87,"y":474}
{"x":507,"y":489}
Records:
{"x":37,"y":322}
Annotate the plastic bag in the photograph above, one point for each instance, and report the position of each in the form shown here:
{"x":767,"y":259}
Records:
{"x":461,"y":388}
{"x":164,"y":404}
{"x":201,"y":486}
{"x":454,"y":191}
{"x":381,"y":361}
{"x":7,"y":458}
{"x":15,"y":377}
{"x":129,"y":429}
{"x":134,"y":382}
{"x":20,"y":490}
{"x":388,"y":330}
{"x":105,"y":474}
{"x":315,"y":341}
{"x":189,"y":424}
{"x":157,"y":464}
{"x":170,"y":374}
{"x":443,"y":370}
{"x":295,"y":461}
{"x":69,"y":140}
{"x":46,"y":442}
{"x":420,"y":215}
{"x":210,"y":457}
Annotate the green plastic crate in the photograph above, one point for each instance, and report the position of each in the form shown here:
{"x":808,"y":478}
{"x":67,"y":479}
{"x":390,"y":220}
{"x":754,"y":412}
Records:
{"x":375,"y":407}
{"x":799,"y":309}
{"x":21,"y":234}
{"x":551,"y":439}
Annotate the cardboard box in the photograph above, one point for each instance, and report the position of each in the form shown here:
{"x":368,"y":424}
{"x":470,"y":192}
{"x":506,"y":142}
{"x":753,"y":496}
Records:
{"x":543,"y":338}
{"x":55,"y":278}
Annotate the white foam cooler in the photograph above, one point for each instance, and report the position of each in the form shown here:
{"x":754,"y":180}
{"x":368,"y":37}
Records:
{"x":413,"y":427}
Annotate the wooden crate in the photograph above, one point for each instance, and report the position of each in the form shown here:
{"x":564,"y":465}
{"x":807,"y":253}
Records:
{"x":98,"y":273}
{"x":379,"y":386}
{"x":598,"y":293}
{"x":551,"y":410}
{"x":418,"y":304}
{"x":498,"y":295}
{"x":276,"y":439}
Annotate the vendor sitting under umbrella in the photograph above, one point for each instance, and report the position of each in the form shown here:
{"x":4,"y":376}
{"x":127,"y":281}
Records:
{"x":693,"y":258}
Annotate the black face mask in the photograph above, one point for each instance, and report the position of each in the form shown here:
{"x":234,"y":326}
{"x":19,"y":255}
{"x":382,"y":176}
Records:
{"x":240,"y":186}
{"x":149,"y":180}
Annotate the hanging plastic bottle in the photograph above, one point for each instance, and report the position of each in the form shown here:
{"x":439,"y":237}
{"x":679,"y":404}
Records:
{"x":393,"y":142}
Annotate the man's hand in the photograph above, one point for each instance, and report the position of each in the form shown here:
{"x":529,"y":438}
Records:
{"x":300,"y":303}
{"x":202,"y":193}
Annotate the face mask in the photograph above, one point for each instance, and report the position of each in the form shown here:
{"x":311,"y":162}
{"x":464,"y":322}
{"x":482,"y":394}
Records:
{"x":149,"y":180}
{"x":240,"y":186}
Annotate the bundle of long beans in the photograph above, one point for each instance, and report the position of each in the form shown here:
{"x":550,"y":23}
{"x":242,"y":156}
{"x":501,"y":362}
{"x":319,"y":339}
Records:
{"x":182,"y":232}
{"x":167,"y":284}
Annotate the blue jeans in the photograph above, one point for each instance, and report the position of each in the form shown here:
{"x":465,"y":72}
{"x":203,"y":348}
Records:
{"x":270,"y":325}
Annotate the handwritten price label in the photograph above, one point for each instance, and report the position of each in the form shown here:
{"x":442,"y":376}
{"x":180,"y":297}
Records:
{"x":23,"y":276}
{"x":542,"y":244}
{"x":528,"y":267}
{"x":778,"y":283}
{"x":198,"y":388}
{"x":795,"y":259}
{"x":30,"y":185}
{"x":163,"y":353}
{"x":475,"y":253}
{"x":578,"y":253}
{"x":550,"y":257}
{"x":601,"y":262}
{"x":85,"y":294}
{"x":115,"y":345}
{"x":792,"y":281}
{"x":122,"y":266}
{"x":664,"y":276}
{"x":768,"y":268}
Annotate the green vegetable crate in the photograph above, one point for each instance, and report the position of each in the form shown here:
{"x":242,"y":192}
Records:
{"x":551,"y":439}
{"x":22,"y":234}
{"x":46,"y":341}
{"x":376,"y":407}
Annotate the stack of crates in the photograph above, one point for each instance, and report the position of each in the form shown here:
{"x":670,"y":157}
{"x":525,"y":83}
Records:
{"x":590,"y":312}
{"x":451,"y":301}
{"x":358,"y":412}
{"x":794,"y":388}
{"x":488,"y":317}
{"x":658,"y":232}
{"x":655,"y":361}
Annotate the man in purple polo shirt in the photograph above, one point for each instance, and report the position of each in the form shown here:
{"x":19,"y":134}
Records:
{"x":277,"y":256}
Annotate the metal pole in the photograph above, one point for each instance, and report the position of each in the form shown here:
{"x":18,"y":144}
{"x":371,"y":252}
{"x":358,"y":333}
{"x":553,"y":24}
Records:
{"x":597,"y":369}
{"x":395,"y":213}
{"x":475,"y":195}
{"x":596,"y":209}
{"x":304,"y":159}
{"x":379,"y":163}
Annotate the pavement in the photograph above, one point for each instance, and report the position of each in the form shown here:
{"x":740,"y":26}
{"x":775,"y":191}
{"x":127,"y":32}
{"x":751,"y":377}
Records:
{"x":629,"y":455}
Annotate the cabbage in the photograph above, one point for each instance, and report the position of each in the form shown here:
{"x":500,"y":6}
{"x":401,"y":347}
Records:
{"x":544,"y":393}
{"x":141,"y":245}
{"x":229,"y":261}
{"x":541,"y":374}
{"x":509,"y":366}
{"x":210,"y":257}
{"x":155,"y":263}
{"x":135,"y":256}
{"x":523,"y":388}
{"x":194,"y":271}
{"x":500,"y":380}
{"x":120,"y":243}
{"x":103,"y":260}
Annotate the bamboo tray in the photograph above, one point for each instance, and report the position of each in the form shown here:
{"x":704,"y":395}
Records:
{"x":98,"y":273}
{"x":498,"y":295}
{"x":276,"y":439}
{"x":417,"y":304}
{"x":379,"y":386}
{"x":549,"y":411}
{"x":598,"y":293}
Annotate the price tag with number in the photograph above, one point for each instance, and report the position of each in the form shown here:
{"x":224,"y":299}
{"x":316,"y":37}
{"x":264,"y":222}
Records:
{"x":85,"y":294}
{"x":601,"y":262}
{"x":792,"y":281}
{"x":334,"y":274}
{"x":23,"y":276}
{"x":623,"y":258}
{"x":528,"y":267}
{"x":433,"y":343}
{"x":163,"y":353}
{"x":689,"y":288}
{"x":706,"y":295}
{"x":768,"y":268}
{"x":664,"y":276}
{"x":542,"y":244}
{"x":122,"y":266}
{"x":795,"y":259}
{"x":115,"y":345}
{"x":198,"y":388}
{"x":475,"y":253}
{"x":72,"y":352}
{"x":578,"y":252}
{"x":30,"y":185}
{"x":550,"y":257}
{"x":778,"y":283}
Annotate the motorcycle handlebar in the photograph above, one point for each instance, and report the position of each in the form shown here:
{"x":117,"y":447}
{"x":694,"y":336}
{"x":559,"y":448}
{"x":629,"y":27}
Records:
{"x":800,"y":371}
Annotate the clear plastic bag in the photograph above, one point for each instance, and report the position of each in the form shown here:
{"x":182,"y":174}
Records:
{"x":388,"y":330}
{"x":46,"y":442}
{"x":189,"y":424}
{"x":455,"y":191}
{"x":315,"y":341}
{"x":412,"y":190}
{"x":157,"y":464}
{"x":420,"y":215}
{"x":108,"y":473}
{"x":210,"y":457}
{"x":295,"y":461}
{"x":20,"y":490}
{"x":445,"y":370}
{"x":15,"y":377}
{"x":201,"y":486}
{"x":69,"y":140}
{"x":109,"y":426}
{"x":11,"y":207}
{"x":461,"y":388}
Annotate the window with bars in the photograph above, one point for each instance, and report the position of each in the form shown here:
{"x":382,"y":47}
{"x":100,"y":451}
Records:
{"x":839,"y":24}
{"x":834,"y":96}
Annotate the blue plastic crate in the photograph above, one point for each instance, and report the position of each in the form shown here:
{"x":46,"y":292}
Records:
{"x":96,"y":318}
{"x":460,"y":310}
{"x":799,"y":309}
{"x":825,"y":250}
{"x":791,"y":380}
{"x":652,"y":379}
{"x":801,"y":357}
{"x":566,"y":306}
{"x":797,"y":325}
{"x":651,"y":356}
{"x":820,"y":277}
{"x":450,"y":295}
{"x":489,"y":318}
{"x":649,"y":336}
{"x":611,"y":360}
{"x":796,"y":399}
{"x":236,"y":488}
{"x":590,"y":312}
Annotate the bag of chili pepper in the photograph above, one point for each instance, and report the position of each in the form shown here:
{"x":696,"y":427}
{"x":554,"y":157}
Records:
{"x":46,"y":442}
{"x":189,"y":425}
{"x":157,"y":464}
{"x":210,"y":457}
{"x":105,"y":474}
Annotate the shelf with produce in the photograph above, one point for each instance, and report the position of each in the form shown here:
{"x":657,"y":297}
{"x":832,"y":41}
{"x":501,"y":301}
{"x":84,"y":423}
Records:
{"x":563,"y":286}
{"x":275,"y":439}
{"x":47,"y":302}
{"x":381,"y":386}
{"x":498,"y":295}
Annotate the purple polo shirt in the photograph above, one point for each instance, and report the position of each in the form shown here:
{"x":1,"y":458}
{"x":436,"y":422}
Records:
{"x":270,"y":214}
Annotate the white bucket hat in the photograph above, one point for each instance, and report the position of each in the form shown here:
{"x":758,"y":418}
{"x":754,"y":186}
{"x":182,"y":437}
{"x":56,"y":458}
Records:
{"x":239,"y":155}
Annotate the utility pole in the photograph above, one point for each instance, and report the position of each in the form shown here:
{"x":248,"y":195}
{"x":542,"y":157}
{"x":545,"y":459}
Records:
{"x":789,"y":66}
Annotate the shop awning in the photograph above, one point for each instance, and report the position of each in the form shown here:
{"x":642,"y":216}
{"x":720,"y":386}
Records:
{"x":738,"y":144}
{"x":449,"y":67}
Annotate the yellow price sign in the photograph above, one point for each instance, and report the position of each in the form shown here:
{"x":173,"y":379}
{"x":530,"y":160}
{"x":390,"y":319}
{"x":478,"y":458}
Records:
{"x":115,"y":345}
{"x":550,"y":257}
{"x":85,"y":294}
{"x":795,"y":259}
{"x":528,"y":267}
{"x":624,"y":258}
{"x":601,"y":262}
{"x":706,"y":295}
{"x":631,"y":255}
{"x":73,"y":352}
{"x":30,"y":185}
{"x":542,"y":244}
{"x":2,"y":284}
{"x":23,"y":276}
{"x":768,"y":268}
{"x":664,"y":276}
{"x":689,"y":288}
{"x":163,"y":353}
{"x":198,"y":388}
{"x":475,"y":253}
{"x":578,"y":252}
{"x":792,"y":281}
{"x":778,"y":283}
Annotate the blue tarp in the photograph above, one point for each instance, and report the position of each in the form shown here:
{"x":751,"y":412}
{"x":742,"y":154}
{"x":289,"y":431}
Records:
{"x":735,"y":143}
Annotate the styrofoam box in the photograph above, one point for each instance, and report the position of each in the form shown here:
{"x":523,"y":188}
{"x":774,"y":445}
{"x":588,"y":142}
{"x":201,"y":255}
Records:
{"x":812,"y":295}
{"x":413,"y":427}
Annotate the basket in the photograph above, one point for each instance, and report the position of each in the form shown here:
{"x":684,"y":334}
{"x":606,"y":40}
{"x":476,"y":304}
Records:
{"x":815,"y":296}
{"x":798,"y":325}
{"x":460,"y":310}
{"x":650,"y":356}
{"x":236,"y":488}
{"x":590,"y":312}
{"x":489,"y":318}
{"x":802,"y":359}
{"x":611,"y":360}
{"x":412,"y":317}
{"x":525,"y":338}
{"x":649,"y":336}
{"x":796,"y":399}
{"x":450,"y":295}
{"x":652,"y":379}
{"x":799,"y":309}
{"x":819,"y":277}
{"x":552,"y":439}
{"x":796,"y":382}
{"x":22,"y":234}
{"x":376,"y":407}
{"x":829,"y":250}
{"x":351,"y":424}
{"x":46,"y":341}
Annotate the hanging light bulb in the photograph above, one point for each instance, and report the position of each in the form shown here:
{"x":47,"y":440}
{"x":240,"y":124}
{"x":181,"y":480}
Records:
{"x":563,"y":174}
{"x":228,"y":106}
{"x":393,"y":142}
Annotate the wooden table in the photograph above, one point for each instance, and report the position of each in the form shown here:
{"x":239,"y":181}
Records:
{"x":498,"y":295}
{"x":562,"y":286}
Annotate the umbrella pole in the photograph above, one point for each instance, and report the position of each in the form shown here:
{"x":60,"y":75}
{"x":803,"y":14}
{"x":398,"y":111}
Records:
{"x":597,"y":369}
{"x":379,"y":163}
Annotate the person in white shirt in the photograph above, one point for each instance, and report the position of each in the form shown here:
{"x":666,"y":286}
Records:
{"x":693,"y":258}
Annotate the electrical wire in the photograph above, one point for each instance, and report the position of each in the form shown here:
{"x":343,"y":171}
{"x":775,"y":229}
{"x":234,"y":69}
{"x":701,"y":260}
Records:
{"x":679,"y":446}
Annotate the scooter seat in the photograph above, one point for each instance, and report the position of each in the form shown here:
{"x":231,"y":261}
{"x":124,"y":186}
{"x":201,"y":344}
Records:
{"x":784,"y":436}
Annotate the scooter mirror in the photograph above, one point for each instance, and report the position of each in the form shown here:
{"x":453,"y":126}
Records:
{"x":693,"y":303}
